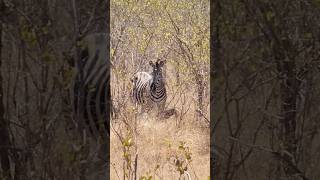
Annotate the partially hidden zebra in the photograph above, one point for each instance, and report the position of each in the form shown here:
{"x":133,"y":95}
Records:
{"x":149,"y":89}
{"x":91,"y":87}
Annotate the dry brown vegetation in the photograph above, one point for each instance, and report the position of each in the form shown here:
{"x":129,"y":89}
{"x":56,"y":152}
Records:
{"x":143,"y":145}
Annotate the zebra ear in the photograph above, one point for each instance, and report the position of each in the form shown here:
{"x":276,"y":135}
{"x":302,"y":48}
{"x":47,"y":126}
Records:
{"x":151,"y":64}
{"x":162,"y":63}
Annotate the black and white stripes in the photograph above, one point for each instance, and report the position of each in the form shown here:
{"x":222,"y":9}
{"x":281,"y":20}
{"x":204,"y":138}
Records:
{"x":141,"y":84}
{"x":149,"y":89}
{"x":157,"y":90}
{"x":92,"y":85}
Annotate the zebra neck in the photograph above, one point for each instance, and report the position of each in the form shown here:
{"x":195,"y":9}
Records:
{"x":158,"y":89}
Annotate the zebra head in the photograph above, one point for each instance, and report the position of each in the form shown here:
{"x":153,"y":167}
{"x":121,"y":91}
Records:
{"x":157,"y":70}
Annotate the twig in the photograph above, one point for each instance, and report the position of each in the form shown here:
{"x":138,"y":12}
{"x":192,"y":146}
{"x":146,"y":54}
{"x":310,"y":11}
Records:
{"x":115,"y":169}
{"x":201,"y":113}
{"x":135,"y":167}
{"x":283,"y":155}
{"x":93,"y":12}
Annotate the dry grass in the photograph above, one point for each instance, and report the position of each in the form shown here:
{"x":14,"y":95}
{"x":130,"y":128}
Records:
{"x":157,"y":142}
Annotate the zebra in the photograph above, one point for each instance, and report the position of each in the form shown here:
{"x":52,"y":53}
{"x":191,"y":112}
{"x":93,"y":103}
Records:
{"x":149,"y":88}
{"x":91,"y":87}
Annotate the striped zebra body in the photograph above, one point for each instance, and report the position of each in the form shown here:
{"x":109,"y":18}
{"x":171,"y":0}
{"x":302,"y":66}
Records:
{"x":149,"y":89}
{"x":92,"y":82}
{"x":141,"y":85}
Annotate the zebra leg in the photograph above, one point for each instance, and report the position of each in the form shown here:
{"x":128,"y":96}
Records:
{"x":145,"y":108}
{"x":141,"y":109}
{"x":161,"y":109}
